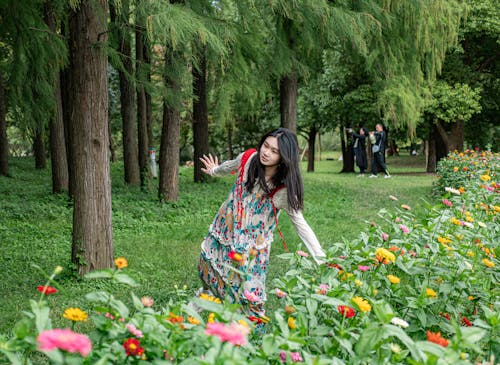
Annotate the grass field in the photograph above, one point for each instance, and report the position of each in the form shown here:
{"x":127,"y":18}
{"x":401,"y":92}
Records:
{"x":161,"y":241}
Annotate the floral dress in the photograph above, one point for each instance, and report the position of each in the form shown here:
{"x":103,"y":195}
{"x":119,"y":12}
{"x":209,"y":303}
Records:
{"x":244,"y":225}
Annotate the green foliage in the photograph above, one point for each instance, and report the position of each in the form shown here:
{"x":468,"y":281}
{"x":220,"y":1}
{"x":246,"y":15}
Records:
{"x":453,"y":103}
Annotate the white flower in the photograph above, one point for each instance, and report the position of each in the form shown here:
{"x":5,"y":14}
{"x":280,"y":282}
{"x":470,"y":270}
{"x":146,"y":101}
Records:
{"x":468,"y":265}
{"x":399,"y":322}
{"x":468,"y":224}
{"x":481,"y":224}
{"x":395,"y":348}
{"x":453,"y":191}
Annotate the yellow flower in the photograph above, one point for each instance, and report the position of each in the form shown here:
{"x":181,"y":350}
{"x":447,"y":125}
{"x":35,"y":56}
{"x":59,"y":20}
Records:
{"x":455,"y":168}
{"x":485,"y":177}
{"x":358,"y":282}
{"x":193,"y":320}
{"x":470,"y":297}
{"x":488,"y":263}
{"x":362,"y":304}
{"x":121,"y":262}
{"x":244,"y":323}
{"x":75,"y":314}
{"x":470,"y":254}
{"x":393,"y":279}
{"x":430,"y":293}
{"x":385,"y":255}
{"x":496,"y":208}
{"x":444,"y":240}
{"x":291,"y":323}
{"x":58,"y":270}
{"x":469,"y":219}
{"x":455,"y":221}
{"x":211,"y":318}
{"x":210,"y":298}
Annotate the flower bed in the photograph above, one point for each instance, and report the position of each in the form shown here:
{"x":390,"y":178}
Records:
{"x":410,"y":290}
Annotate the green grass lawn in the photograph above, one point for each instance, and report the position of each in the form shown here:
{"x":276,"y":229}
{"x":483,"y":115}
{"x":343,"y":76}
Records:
{"x":161,"y":241}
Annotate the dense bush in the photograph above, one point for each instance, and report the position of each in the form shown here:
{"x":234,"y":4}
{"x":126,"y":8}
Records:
{"x":410,"y":290}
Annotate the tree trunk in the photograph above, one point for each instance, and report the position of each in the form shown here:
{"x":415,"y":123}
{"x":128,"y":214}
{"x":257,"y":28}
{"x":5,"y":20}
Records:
{"x":149,"y":99}
{"x":311,"y":142}
{"x":430,"y":154}
{"x":171,"y":132}
{"x":288,"y":101}
{"x":4,"y":143}
{"x":127,"y":96}
{"x":142,"y":122}
{"x":58,"y":155}
{"x":200,"y":116}
{"x":453,"y":139}
{"x":347,"y":152}
{"x":92,"y":231}
{"x":39,"y":149}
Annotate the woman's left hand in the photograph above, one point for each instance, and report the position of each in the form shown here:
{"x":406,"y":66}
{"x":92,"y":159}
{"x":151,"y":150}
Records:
{"x":210,"y":163}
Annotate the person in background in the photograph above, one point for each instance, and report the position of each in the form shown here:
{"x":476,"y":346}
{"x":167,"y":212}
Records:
{"x":360,"y":149}
{"x":268,"y":181}
{"x":378,"y":140}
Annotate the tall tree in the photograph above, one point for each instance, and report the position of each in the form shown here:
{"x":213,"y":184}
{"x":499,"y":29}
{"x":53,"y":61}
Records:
{"x":92,"y":230}
{"x":58,"y":155}
{"x":121,"y":23}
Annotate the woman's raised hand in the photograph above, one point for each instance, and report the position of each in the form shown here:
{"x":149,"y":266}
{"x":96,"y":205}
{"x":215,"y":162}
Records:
{"x":210,"y":163}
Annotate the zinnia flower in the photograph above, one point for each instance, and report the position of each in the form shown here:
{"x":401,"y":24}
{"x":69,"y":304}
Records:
{"x":485,"y":177}
{"x":147,"y":301}
{"x":289,"y":309}
{"x":393,"y":279}
{"x":75,"y":314}
{"x":346,"y":311}
{"x":436,"y":338}
{"x":385,"y":256}
{"x":302,"y":253}
{"x":403,"y":228}
{"x":47,"y":290}
{"x":235,"y":333}
{"x":133,"y":347}
{"x":64,"y":339}
{"x":447,"y":203}
{"x":121,"y":262}
{"x":210,"y":298}
{"x":133,"y":330}
{"x":384,"y":236}
{"x":399,"y":322}
{"x":251,"y":297}
{"x":466,"y":322}
{"x":362,"y":304}
{"x":453,"y":191}
{"x":488,"y":263}
{"x":193,"y":320}
{"x":405,"y":206}
{"x":291,"y":323}
{"x":323,"y":289}
{"x":295,"y":356}
{"x":430,"y":293}
{"x":280,"y":293}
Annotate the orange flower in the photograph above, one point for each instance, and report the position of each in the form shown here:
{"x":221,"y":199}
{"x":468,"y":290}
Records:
{"x":437,"y":339}
{"x":121,"y":262}
{"x":172,"y":318}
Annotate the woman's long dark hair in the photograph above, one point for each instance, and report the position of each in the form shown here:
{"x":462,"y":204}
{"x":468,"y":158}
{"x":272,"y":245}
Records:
{"x":288,"y":172}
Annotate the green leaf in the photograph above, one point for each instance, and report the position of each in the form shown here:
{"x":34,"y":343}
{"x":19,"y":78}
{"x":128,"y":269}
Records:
{"x":100,"y":274}
{"x":125,"y":279}
{"x":383,"y":311}
{"x":23,"y":328}
{"x":368,"y":339}
{"x":269,"y":345}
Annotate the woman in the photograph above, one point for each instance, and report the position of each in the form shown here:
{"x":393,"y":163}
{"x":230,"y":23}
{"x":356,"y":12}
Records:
{"x":241,"y":234}
{"x":360,"y":150}
{"x":378,"y":139}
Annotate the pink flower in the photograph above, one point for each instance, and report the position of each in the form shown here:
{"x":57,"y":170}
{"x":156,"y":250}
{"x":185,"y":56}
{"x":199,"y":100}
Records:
{"x":404,"y":228}
{"x":235,"y":333}
{"x":384,"y":236}
{"x":323,"y":289}
{"x":447,"y":203}
{"x":363,"y":268}
{"x":251,"y":297}
{"x":147,"y":301}
{"x":397,"y":220}
{"x":302,"y":253}
{"x":133,"y":330}
{"x":280,"y":293}
{"x":64,"y":339}
{"x":295,"y":356}
{"x":109,"y":315}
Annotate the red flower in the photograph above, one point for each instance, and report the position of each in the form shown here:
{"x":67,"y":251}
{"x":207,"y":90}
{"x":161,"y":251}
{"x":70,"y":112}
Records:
{"x":446,"y":315}
{"x":436,"y":338}
{"x":334,"y":265}
{"x":47,"y":290}
{"x":346,"y":311}
{"x":466,"y":322}
{"x":133,"y":347}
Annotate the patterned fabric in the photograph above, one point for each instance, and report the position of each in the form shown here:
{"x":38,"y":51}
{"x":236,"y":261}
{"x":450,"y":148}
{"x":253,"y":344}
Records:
{"x":247,"y":231}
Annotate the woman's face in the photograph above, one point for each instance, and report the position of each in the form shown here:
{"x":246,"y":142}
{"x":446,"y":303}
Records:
{"x":269,"y":152}
{"x":362,"y":131}
{"x":379,"y":128}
